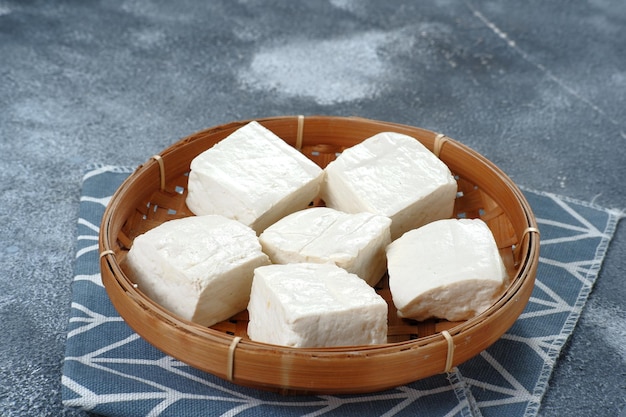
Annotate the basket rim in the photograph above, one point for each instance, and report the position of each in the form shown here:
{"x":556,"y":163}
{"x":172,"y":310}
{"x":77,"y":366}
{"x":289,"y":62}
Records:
{"x":527,"y":266}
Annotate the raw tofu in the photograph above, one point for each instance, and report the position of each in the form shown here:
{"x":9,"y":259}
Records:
{"x":393,"y":175}
{"x":252,"y":176}
{"x":314,"y":305}
{"x":354,"y":242}
{"x":198,"y":267}
{"x":449,"y":269}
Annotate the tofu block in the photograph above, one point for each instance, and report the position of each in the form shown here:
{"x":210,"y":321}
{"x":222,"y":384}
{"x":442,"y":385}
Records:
{"x":393,"y":175}
{"x":449,"y":269}
{"x":252,"y":176}
{"x":314,"y":305}
{"x":199,"y":268}
{"x":354,"y":242}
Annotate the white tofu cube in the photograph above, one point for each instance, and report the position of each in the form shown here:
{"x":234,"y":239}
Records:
{"x":314,"y":305}
{"x":199,"y":268}
{"x":354,"y":242}
{"x":449,"y":269}
{"x":252,"y":176}
{"x":393,"y":175}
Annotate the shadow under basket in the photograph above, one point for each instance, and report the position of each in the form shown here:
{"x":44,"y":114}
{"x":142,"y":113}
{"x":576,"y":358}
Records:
{"x":156,"y":193}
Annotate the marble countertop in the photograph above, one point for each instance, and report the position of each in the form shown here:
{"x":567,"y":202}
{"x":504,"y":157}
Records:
{"x":537,"y":87}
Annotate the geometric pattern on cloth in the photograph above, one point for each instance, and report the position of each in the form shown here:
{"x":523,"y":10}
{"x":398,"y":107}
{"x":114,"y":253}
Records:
{"x":111,"y":371}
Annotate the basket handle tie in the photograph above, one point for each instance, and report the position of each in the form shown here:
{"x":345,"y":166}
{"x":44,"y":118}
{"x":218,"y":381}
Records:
{"x":231,"y":358}
{"x":300,"y":131}
{"x":450,"y":355}
{"x":161,"y":170}
{"x":440,"y":140}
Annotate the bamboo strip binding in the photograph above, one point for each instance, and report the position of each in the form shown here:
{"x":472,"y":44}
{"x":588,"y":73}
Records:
{"x":161,"y":171}
{"x":300,"y":132}
{"x":440,"y":140}
{"x":146,"y":200}
{"x":450,"y":351}
{"x":529,"y":230}
{"x":231,"y":358}
{"x":106,"y":252}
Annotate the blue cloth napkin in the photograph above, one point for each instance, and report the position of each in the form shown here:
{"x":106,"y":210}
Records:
{"x":111,"y":371}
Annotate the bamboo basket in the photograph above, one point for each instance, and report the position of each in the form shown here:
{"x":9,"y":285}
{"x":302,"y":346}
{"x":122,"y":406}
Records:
{"x":156,"y":192}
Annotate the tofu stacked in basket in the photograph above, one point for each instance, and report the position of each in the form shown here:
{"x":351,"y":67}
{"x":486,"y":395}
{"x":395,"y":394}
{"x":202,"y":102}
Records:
{"x":307,"y":275}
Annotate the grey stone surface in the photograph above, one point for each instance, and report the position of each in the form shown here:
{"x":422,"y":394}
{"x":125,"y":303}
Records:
{"x":537,"y":87}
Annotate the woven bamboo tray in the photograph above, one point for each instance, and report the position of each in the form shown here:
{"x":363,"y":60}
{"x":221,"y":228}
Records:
{"x":156,"y":192}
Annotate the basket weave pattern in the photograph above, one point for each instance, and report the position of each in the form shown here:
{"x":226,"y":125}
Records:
{"x":156,"y":193}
